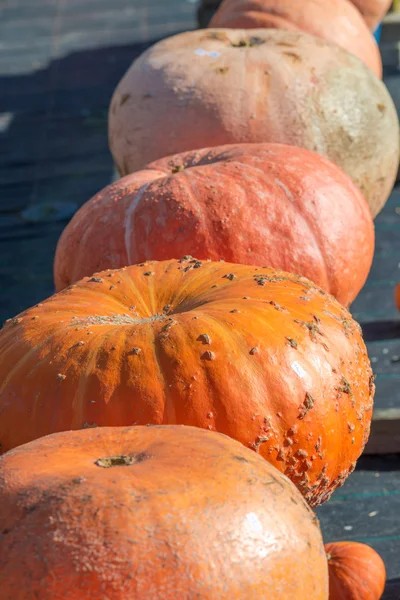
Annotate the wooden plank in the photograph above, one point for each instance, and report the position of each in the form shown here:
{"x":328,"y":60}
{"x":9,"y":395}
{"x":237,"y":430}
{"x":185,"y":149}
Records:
{"x":376,"y":301}
{"x":390,"y":33}
{"x":381,"y":330}
{"x":392,"y":591}
{"x":390,"y":52}
{"x":385,"y":432}
{"x":94,"y":69}
{"x":385,"y":359}
{"x":367,"y":509}
{"x":76,"y":188}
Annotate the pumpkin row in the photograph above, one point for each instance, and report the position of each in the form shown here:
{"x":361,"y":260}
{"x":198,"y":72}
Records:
{"x":293,"y":205}
{"x":281,"y":148}
{"x":211,"y":87}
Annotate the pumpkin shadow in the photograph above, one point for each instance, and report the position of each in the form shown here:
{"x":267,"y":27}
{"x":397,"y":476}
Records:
{"x":392,"y":591}
{"x":381,"y":330}
{"x":53,"y":135}
{"x":379,"y":463}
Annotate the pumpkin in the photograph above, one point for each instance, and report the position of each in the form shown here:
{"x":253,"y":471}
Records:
{"x":258,"y":354}
{"x":397,"y":296}
{"x":336,"y":21}
{"x":356,"y":572}
{"x":250,"y":204}
{"x":222,"y":86}
{"x":153,"y":512}
{"x":373,"y":11}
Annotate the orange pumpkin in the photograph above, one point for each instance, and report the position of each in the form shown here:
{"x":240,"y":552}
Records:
{"x":153,"y":512}
{"x":228,"y":86}
{"x":373,"y":11}
{"x":397,"y":295}
{"x":356,"y":572}
{"x":336,"y":21}
{"x":258,"y":354}
{"x":250,"y":204}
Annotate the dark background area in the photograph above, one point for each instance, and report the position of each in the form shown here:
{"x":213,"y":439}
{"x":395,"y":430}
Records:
{"x":60,"y":61}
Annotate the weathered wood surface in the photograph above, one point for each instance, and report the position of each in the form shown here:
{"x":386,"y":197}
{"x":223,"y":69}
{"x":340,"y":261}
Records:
{"x":59,"y":64}
{"x":367,"y":509}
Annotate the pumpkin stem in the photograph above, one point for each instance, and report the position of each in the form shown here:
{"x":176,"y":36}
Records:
{"x":254,"y":41}
{"x":121,"y":461}
{"x":177,"y":168}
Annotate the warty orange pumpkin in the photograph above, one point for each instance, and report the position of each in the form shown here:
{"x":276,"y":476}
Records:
{"x":251,"y":204}
{"x":160,"y":513}
{"x":225,"y":86}
{"x":337,"y":21}
{"x":356,"y":572}
{"x":373,"y":11}
{"x":257,"y":354}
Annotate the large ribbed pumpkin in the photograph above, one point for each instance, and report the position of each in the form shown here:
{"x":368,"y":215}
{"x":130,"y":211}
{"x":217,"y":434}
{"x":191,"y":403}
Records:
{"x":373,"y":11}
{"x":221,"y":86}
{"x":258,"y":354}
{"x":153,"y":513}
{"x":251,"y":204}
{"x":356,"y":572}
{"x":336,"y":21}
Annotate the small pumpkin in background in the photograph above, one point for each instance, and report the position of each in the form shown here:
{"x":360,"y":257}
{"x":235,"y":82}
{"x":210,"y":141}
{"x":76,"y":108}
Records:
{"x":257,"y":354}
{"x":373,"y":11}
{"x":356,"y":572}
{"x":153,"y":512}
{"x":259,"y":204}
{"x":397,"y":296}
{"x":227,"y":86}
{"x":337,"y":21}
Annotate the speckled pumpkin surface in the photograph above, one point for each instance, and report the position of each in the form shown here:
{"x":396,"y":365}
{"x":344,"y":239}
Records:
{"x":153,"y":513}
{"x":228,"y":86}
{"x":258,"y":354}
{"x":255,"y":204}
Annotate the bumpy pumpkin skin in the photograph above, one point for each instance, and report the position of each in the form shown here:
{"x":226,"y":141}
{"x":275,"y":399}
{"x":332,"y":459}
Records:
{"x":257,"y":354}
{"x":265,"y":204}
{"x":373,"y":11}
{"x":207,"y":88}
{"x":356,"y":572}
{"x":337,"y":21}
{"x":196,"y":515}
